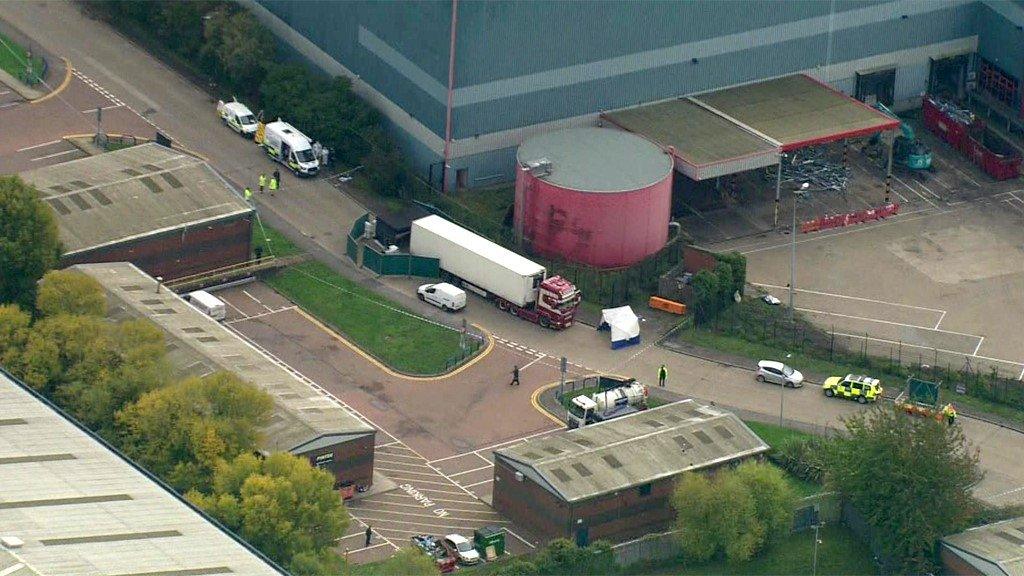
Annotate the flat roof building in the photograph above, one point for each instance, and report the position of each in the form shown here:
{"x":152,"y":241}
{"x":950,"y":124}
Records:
{"x":72,"y":505}
{"x":614,"y":480}
{"x":992,"y":550}
{"x":166,"y":212}
{"x":305,"y":422}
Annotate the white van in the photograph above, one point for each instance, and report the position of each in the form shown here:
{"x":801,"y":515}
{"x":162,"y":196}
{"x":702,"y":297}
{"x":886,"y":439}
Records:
{"x":285,"y":144}
{"x":238,"y":117}
{"x":208,"y":304}
{"x":443,"y":295}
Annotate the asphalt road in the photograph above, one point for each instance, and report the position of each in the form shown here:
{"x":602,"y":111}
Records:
{"x":317,"y":211}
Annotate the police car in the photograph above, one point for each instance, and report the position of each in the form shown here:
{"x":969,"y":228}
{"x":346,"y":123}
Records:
{"x":861,"y":388}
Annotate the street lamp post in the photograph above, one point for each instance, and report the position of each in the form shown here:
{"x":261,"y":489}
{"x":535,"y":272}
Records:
{"x":782,"y":396}
{"x":814,"y":566}
{"x":792,"y":254}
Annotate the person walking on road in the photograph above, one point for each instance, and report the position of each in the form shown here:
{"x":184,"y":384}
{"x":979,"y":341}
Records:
{"x":515,"y":376}
{"x":662,"y":375}
{"x":263,"y":182}
{"x":273,"y":185}
{"x":277,"y":176}
{"x":369,"y":535}
{"x":248,"y":194}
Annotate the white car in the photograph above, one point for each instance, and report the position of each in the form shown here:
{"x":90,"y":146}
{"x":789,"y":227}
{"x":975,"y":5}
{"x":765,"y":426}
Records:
{"x":461,"y":549}
{"x":443,"y":295}
{"x":778,"y":373}
{"x":771,"y":300}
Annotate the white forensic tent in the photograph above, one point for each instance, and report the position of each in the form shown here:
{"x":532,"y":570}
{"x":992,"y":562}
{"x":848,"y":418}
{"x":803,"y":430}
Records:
{"x":623,"y":325}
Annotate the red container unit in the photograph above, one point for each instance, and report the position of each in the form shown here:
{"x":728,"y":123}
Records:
{"x":973,"y":139}
{"x":595,"y":196}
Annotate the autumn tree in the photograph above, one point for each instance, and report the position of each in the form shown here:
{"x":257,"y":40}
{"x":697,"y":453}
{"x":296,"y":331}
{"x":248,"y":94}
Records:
{"x":70,"y":292}
{"x":15,"y":328}
{"x":911,"y":478}
{"x":181,"y":432}
{"x":774,"y":498}
{"x":29,"y":242}
{"x":280,"y":504}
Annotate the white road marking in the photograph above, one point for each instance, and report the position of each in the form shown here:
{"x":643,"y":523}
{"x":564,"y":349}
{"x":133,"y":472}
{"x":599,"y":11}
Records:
{"x":471,"y":471}
{"x":50,"y":143}
{"x":812,"y":311}
{"x":538,"y":359}
{"x":420,"y":507}
{"x":48,"y":156}
{"x":260,"y":315}
{"x":386,"y":445}
{"x":941,"y":318}
{"x":492,"y":446}
{"x":858,"y":298}
{"x":9,"y":105}
{"x":478,"y":483}
{"x":921,"y":196}
{"x":434,"y":516}
{"x":93,"y":111}
{"x":4,"y":92}
{"x":405,"y":522}
{"x":978,"y":347}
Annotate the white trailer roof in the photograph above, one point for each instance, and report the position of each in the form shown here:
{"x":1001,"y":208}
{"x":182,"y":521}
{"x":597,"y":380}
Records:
{"x":478,"y":245}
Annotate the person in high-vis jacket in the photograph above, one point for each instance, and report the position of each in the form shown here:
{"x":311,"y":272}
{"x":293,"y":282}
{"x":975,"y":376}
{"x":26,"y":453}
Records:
{"x":949,"y":412}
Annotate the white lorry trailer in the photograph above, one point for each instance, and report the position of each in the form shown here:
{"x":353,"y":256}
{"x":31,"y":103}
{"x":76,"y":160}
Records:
{"x":515,"y":284}
{"x":607,"y":404}
{"x":238,"y":117}
{"x":285,"y":144}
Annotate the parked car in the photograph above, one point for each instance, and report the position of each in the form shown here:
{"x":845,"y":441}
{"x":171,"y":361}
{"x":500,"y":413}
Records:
{"x":431,"y":546}
{"x":778,"y":373}
{"x":461,"y":549}
{"x":443,"y":295}
{"x":863,"y":389}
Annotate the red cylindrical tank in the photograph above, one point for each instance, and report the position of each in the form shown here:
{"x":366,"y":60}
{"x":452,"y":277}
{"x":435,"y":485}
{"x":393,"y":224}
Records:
{"x":593,"y":195}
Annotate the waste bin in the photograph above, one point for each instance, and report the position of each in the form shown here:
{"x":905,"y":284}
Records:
{"x":489,"y":536}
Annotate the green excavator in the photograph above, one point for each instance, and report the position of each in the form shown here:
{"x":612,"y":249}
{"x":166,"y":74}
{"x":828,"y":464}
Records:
{"x":907,"y":149}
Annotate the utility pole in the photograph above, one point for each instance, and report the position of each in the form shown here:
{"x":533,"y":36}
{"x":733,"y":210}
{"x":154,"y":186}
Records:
{"x":778,"y":190}
{"x":814,"y":565}
{"x":792,"y":255}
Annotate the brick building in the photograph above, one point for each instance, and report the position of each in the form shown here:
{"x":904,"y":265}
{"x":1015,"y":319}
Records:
{"x":614,"y":480}
{"x":167,"y":212}
{"x":304,"y":421}
{"x":993,"y":550}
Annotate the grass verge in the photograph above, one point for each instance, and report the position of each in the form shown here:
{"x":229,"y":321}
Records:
{"x":808,"y":363}
{"x":13,"y":58}
{"x":272,"y":242}
{"x":396,"y":337}
{"x":840,"y":552}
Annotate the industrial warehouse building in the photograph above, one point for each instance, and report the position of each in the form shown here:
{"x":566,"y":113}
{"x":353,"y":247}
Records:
{"x":614,"y":480}
{"x":471,"y":80}
{"x":71,"y":505}
{"x":991,"y":550}
{"x":167,"y":212}
{"x":304,"y":422}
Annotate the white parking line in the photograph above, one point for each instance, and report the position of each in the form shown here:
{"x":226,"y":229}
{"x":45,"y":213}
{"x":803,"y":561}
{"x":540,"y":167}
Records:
{"x":420,"y":507}
{"x":93,"y":110}
{"x":941,"y":318}
{"x":921,"y":196}
{"x":492,"y":446}
{"x":446,"y":527}
{"x":50,"y":143}
{"x":470,"y":471}
{"x":978,"y":347}
{"x":435,"y":517}
{"x":858,"y":298}
{"x":812,"y":311}
{"x":538,"y":359}
{"x":478,"y":483}
{"x":9,"y":105}
{"x":260,"y":315}
{"x":48,"y":156}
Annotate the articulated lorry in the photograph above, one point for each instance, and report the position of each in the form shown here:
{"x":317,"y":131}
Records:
{"x":512,"y":282}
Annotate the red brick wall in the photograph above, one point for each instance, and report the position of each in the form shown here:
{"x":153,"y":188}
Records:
{"x":955,"y":565}
{"x":352,"y":461}
{"x":695,"y":260}
{"x":627,"y":515}
{"x":529,"y":505}
{"x":180,"y":252}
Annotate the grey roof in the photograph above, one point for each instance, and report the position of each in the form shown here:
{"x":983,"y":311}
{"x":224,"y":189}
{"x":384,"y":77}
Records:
{"x":996,"y":549}
{"x":706,"y":144}
{"x":81,"y":509}
{"x":199,"y":345}
{"x":597,"y":159}
{"x":132,"y":193}
{"x":632,"y":450}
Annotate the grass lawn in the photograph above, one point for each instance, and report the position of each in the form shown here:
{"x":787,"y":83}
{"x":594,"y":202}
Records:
{"x":13,"y":58}
{"x":805,"y":363}
{"x":774,"y":434}
{"x":272,"y":241}
{"x":840,"y":552}
{"x":395,"y":336}
{"x":489,"y":203}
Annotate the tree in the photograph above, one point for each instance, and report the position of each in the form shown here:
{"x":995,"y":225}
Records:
{"x":280,"y":504}
{"x":319,"y":563}
{"x":705,"y":295}
{"x":182,"y":432}
{"x":65,"y":349}
{"x":723,"y":273}
{"x":15,"y":328}
{"x":29,"y":242}
{"x":694,"y":503}
{"x":70,"y":292}
{"x":408,"y":562}
{"x":774,"y":501}
{"x":239,"y":45}
{"x":563,"y":558}
{"x":518,"y":567}
{"x":910,"y":478}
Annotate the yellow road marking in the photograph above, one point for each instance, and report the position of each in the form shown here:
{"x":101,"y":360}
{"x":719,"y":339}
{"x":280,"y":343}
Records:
{"x":59,"y":89}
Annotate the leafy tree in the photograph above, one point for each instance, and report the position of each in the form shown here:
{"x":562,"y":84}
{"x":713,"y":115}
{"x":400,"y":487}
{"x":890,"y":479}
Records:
{"x":562,"y":557}
{"x":911,"y":480}
{"x":15,"y":328}
{"x":740,"y":532}
{"x":65,"y":349}
{"x":319,"y":563}
{"x":738,"y":263}
{"x":705,"y":295}
{"x":29,"y":242}
{"x":181,"y":432}
{"x":70,"y":292}
{"x":280,"y":504}
{"x":518,"y":567}
{"x":694,"y":502}
{"x":774,"y":499}
{"x":723,"y":272}
{"x":409,"y":562}
{"x":239,"y":45}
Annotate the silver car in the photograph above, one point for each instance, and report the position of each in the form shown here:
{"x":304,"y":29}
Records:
{"x":778,"y":373}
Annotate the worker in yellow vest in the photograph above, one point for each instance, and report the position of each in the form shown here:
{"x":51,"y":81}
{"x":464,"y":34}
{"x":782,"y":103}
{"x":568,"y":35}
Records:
{"x":248,"y":194}
{"x":950,"y":413}
{"x":263,"y":182}
{"x":273,"y":185}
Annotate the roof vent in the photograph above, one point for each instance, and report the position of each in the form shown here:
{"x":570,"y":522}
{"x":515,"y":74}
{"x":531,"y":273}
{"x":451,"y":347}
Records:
{"x":519,"y":476}
{"x":11,"y":542}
